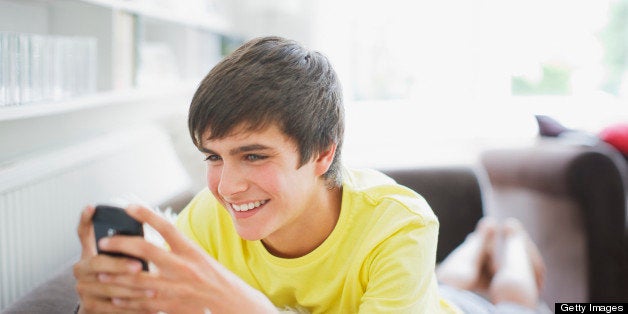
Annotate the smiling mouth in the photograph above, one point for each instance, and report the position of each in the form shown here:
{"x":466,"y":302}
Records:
{"x":247,"y":206}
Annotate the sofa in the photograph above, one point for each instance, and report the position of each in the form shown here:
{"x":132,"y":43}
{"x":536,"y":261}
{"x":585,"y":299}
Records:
{"x":571,"y":196}
{"x":455,"y":194}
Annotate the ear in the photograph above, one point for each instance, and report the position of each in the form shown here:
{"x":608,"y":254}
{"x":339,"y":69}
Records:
{"x":324,"y":159}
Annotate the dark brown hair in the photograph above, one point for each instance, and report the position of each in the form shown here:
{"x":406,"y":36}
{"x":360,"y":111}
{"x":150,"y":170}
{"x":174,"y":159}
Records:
{"x":272,"y":80}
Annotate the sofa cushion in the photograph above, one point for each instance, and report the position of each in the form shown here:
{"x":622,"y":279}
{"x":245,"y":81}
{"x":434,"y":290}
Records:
{"x":57,"y":295}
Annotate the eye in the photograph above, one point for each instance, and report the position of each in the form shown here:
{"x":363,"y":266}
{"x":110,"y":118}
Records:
{"x":212,"y":158}
{"x":254,"y":157}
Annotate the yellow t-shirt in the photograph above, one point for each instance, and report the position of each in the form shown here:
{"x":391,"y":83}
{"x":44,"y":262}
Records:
{"x":379,"y":258}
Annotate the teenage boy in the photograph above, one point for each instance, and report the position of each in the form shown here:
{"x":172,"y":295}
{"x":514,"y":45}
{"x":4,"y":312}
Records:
{"x":282,"y":226}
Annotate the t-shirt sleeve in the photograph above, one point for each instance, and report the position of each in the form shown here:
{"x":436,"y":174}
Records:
{"x":401,"y":276}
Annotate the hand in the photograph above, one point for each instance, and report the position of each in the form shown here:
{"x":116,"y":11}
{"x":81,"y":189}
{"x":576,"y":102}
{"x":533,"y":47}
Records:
{"x":187,"y":280}
{"x":96,"y":297}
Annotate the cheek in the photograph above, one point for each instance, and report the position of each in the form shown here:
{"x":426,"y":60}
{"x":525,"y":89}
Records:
{"x":268,"y":178}
{"x":213,"y":178}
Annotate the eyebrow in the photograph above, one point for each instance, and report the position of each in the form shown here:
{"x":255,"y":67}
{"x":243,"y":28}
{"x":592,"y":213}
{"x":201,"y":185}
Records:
{"x":238,"y":150}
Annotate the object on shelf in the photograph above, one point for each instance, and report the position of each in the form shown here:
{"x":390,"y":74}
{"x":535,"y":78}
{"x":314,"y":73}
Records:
{"x":158,"y":66}
{"x":204,"y":14}
{"x":35,"y":68}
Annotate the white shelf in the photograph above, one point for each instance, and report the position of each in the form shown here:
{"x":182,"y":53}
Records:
{"x":204,"y":20}
{"x":131,"y":97}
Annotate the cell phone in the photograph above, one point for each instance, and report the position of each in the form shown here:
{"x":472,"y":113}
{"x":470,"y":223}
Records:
{"x":109,"y":221}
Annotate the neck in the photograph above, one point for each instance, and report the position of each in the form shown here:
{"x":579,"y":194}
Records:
{"x":313,"y":227}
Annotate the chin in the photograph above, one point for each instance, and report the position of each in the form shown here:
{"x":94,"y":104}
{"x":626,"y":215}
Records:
{"x":249,"y":235}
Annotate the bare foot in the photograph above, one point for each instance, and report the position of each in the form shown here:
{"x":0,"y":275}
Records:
{"x":519,"y":267}
{"x":467,"y":266}
{"x":537,"y":263}
{"x":512,"y":226}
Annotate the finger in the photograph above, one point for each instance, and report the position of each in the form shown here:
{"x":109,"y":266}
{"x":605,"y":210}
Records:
{"x":145,"y":305}
{"x":82,"y":271}
{"x":140,"y":248}
{"x":149,"y":282}
{"x":99,"y":289}
{"x":88,"y":268}
{"x":85,"y":232}
{"x":177,"y":242}
{"x":102,"y":305}
{"x":115,"y":265}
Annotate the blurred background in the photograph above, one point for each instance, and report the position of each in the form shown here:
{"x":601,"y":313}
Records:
{"x":94,"y":93}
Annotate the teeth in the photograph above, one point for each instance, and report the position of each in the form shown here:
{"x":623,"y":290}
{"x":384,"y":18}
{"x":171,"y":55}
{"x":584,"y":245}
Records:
{"x":249,"y":206}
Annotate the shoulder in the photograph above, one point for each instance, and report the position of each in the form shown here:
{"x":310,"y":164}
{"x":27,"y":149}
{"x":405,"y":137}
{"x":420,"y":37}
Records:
{"x":386,"y":216}
{"x":399,"y":236}
{"x":369,"y":188}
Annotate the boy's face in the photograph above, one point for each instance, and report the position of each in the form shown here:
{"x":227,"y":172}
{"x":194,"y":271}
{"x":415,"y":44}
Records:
{"x":255,"y":177}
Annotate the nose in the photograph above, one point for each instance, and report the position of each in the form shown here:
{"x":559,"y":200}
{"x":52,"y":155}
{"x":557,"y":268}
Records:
{"x":232,"y":180}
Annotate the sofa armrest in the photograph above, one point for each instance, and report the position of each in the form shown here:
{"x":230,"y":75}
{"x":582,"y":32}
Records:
{"x":455,"y":195}
{"x":591,"y":177}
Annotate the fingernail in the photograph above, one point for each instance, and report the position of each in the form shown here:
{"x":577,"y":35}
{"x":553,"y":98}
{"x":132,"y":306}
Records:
{"x":135,"y":266}
{"x":150,"y":293}
{"x":102,"y":243}
{"x":104,"y":278}
{"x":117,"y":301}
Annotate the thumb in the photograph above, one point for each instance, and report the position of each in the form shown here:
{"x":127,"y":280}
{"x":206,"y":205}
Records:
{"x":85,"y":232}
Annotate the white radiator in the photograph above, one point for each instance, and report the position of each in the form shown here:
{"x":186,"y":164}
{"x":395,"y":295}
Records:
{"x":41,"y":198}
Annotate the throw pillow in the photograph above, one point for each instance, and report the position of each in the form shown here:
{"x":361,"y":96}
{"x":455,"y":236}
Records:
{"x":617,"y":136}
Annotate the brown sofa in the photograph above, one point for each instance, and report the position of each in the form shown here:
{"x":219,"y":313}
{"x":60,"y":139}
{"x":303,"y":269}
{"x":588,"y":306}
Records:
{"x":454,"y":193}
{"x":572,"y":200}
